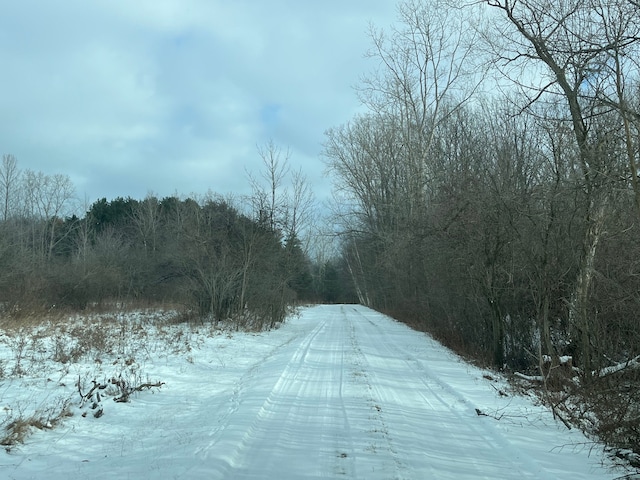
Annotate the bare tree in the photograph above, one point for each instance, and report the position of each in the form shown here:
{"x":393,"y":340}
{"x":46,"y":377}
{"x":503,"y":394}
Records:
{"x":269,"y":198}
{"x":48,"y":198}
{"x":429,"y":68}
{"x":616,"y":75}
{"x":567,"y":43}
{"x":367,"y":158}
{"x":146,"y":218}
{"x":300,"y":206}
{"x":9,"y":178}
{"x":384,"y":161}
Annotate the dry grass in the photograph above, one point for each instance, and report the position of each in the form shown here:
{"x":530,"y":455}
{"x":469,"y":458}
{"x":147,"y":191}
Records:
{"x":17,"y":429}
{"x":109,"y":347}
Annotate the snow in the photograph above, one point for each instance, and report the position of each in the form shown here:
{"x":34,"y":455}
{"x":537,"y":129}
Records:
{"x":566,"y":360}
{"x":339,"y":391}
{"x":633,"y":363}
{"x":563,"y":359}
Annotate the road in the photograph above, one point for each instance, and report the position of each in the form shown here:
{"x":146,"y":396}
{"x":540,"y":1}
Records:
{"x":338,"y":392}
{"x":354,"y":394}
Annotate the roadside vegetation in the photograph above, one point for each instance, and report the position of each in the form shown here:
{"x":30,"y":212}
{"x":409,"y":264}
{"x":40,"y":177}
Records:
{"x":213,"y":258}
{"x":489,"y":194}
{"x":61,"y":365}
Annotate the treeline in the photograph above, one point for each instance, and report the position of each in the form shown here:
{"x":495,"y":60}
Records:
{"x":202,"y":255}
{"x":505,"y":223}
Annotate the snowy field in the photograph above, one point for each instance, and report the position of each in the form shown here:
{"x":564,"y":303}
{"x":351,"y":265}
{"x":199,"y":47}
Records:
{"x":336,"y":392}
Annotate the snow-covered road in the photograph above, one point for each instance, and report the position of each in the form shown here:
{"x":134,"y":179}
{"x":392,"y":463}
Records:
{"x":337,"y":392}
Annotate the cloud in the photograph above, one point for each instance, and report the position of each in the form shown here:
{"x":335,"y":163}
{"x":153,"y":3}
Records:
{"x":176,"y":95}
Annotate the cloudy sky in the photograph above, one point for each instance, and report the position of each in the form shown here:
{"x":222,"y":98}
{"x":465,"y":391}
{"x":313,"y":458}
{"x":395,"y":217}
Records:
{"x":164,"y":96}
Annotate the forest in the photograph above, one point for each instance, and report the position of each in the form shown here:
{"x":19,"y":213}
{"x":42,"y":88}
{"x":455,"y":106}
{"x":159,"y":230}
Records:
{"x":488,"y":194}
{"x":203,"y":256}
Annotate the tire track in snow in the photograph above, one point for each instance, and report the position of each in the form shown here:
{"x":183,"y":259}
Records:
{"x":455,"y":405}
{"x":353,"y":394}
{"x":301,"y":416}
{"x":231,"y":404}
{"x":378,"y":430}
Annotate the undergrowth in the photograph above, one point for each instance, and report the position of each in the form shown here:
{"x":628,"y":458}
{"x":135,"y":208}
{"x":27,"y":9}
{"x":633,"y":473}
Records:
{"x":106,"y":349}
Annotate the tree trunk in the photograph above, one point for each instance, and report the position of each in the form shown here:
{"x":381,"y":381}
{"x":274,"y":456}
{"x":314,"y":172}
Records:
{"x":497,"y":324}
{"x":579,"y":312}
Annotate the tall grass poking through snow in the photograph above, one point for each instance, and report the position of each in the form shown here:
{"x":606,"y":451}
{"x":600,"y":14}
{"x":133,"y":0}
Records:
{"x":82,"y":365}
